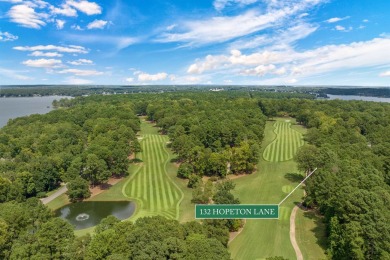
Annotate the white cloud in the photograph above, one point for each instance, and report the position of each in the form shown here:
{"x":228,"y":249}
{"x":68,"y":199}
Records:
{"x":12,"y":1}
{"x":14,"y":74}
{"x":170,"y":27}
{"x":337,"y":19}
{"x":221,"y":4}
{"x":77,"y":81}
{"x":81,"y":62}
{"x":45,"y":54}
{"x":224,"y":28}
{"x":97,"y":24}
{"x":152,"y":77}
{"x":89,"y":8}
{"x":129,"y":80}
{"x":288,"y":61}
{"x":280,"y":39}
{"x":65,"y":10}
{"x":220,"y":29}
{"x":7,"y":37}
{"x":43,"y":63}
{"x":120,"y":42}
{"x":210,"y":63}
{"x":192,"y":79}
{"x":342,"y":28}
{"x":265,"y":57}
{"x":78,"y":72}
{"x":60,"y":24}
{"x":26,"y":16}
{"x":291,"y":81}
{"x":385,"y":74}
{"x":365,"y":21}
{"x":65,"y":48}
{"x":260,"y":70}
{"x":77,"y":27}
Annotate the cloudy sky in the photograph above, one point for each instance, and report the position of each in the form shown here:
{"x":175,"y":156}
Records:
{"x":262,"y":42}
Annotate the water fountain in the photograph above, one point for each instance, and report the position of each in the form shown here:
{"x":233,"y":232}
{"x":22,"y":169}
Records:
{"x":82,"y":217}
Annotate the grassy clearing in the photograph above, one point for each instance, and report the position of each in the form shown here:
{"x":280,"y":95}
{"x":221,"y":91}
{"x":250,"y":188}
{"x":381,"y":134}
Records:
{"x":58,"y":202}
{"x":286,"y":143}
{"x":151,"y":186}
{"x":269,"y":185}
{"x":310,"y":234}
{"x":187,"y":208}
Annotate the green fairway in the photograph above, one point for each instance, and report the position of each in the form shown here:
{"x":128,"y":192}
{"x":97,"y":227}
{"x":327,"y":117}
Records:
{"x":151,"y":187}
{"x":269,"y":185}
{"x":286,"y":143}
{"x":310,"y":234}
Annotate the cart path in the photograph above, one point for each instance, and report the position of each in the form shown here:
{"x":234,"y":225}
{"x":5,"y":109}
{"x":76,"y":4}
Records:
{"x":292,"y":234}
{"x":56,"y":194}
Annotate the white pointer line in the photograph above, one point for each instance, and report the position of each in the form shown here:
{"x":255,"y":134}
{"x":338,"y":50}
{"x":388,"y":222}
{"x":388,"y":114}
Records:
{"x":297,"y":186}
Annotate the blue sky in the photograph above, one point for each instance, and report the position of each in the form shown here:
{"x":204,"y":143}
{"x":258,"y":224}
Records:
{"x":260,"y":42}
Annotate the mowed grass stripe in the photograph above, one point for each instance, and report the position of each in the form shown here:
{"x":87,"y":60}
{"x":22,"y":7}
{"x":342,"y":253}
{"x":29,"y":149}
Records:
{"x":164,"y":185}
{"x":285,"y":145}
{"x":151,"y":186}
{"x":146,"y":158}
{"x":150,"y":172}
{"x":167,"y":192}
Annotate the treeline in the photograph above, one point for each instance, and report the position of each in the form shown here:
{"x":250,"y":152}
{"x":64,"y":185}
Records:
{"x":29,"y":231}
{"x":212,"y":137}
{"x":84,"y":90}
{"x":213,"y":134}
{"x":85,"y":144}
{"x":350,"y":144}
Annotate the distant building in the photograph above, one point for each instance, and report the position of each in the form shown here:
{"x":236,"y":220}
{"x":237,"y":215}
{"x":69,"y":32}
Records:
{"x":216,"y":89}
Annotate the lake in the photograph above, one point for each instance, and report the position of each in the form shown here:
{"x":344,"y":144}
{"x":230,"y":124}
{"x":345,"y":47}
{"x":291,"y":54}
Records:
{"x":89,"y":213}
{"x":13,"y":107}
{"x":348,"y":97}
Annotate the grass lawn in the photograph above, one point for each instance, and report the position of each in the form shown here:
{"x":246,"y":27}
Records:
{"x":58,"y":202}
{"x":286,"y":143}
{"x":269,"y":185}
{"x":186,"y":208}
{"x":152,"y":186}
{"x":310,"y":234}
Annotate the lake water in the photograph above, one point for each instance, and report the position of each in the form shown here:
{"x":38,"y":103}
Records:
{"x":348,"y":97}
{"x":90,"y":213}
{"x":13,"y":107}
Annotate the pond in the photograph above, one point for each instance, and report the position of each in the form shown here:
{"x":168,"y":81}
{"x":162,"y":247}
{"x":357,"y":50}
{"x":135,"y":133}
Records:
{"x":90,"y":213}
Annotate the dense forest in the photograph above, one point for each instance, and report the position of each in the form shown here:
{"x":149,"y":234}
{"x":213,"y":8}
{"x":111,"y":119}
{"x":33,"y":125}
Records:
{"x":80,"y":145}
{"x":88,"y":139}
{"x":29,"y":231}
{"x":349,"y":143}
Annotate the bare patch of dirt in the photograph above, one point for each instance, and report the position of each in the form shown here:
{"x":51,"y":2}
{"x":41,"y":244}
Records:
{"x":233,"y":235}
{"x":101,"y":188}
{"x":236,"y":176}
